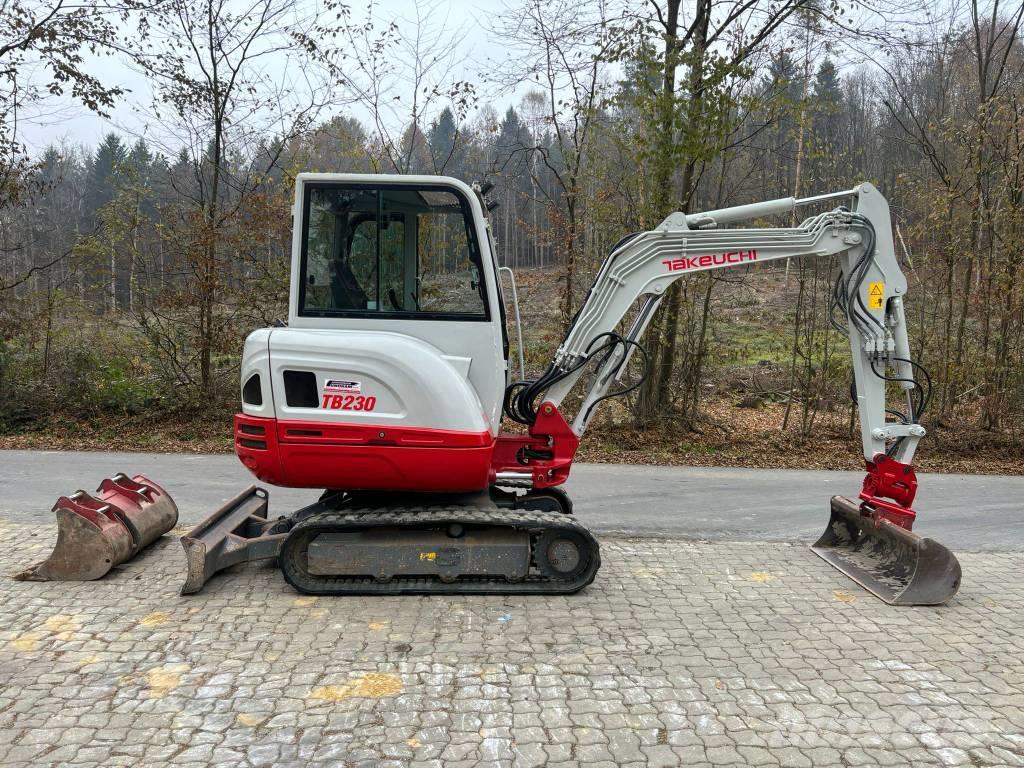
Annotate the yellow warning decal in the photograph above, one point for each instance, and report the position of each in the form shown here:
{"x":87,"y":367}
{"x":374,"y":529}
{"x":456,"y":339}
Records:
{"x":428,"y":556}
{"x":876,"y":295}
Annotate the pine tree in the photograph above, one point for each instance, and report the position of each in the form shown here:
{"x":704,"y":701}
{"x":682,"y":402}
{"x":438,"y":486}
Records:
{"x":140,"y":161}
{"x":828,"y":96}
{"x":105,"y":168}
{"x":513,"y":138}
{"x":413,"y":152}
{"x":442,"y":140}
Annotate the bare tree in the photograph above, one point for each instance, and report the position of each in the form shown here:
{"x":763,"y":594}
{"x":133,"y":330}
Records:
{"x":562,"y":48}
{"x":231,"y":91}
{"x":42,"y":55}
{"x":402,"y":72}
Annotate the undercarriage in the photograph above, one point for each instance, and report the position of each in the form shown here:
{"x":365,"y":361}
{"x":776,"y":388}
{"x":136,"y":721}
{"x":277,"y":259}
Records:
{"x":506,"y":540}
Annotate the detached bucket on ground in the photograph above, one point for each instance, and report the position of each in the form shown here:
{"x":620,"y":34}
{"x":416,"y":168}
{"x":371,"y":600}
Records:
{"x":95,"y":533}
{"x":892,"y":563}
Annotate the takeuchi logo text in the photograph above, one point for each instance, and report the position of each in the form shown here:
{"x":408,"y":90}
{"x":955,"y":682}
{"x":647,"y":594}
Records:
{"x":710,"y":260}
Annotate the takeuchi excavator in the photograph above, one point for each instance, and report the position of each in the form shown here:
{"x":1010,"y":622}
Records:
{"x":388,"y":387}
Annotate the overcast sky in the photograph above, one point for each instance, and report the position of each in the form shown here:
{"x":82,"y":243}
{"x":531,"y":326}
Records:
{"x":478,"y":51}
{"x":63,"y":120}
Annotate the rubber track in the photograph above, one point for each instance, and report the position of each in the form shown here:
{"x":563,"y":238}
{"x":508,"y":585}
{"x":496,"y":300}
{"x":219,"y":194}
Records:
{"x":293,"y":554}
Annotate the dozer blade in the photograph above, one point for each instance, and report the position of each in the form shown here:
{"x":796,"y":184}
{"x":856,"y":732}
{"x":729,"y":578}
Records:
{"x":894,"y":564}
{"x":236,"y":533}
{"x":96,"y":533}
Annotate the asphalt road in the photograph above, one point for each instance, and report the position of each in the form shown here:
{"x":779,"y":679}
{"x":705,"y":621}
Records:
{"x":964,"y":512}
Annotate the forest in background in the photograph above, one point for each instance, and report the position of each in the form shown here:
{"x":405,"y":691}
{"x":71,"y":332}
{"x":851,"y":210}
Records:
{"x":130,"y":272}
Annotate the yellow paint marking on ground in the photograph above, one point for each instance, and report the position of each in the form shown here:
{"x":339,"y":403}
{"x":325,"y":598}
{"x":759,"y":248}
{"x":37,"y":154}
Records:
{"x":374,"y":685}
{"x":155,"y":619}
{"x":250,"y":720}
{"x":761,"y":576}
{"x":302,"y":602}
{"x":62,"y":623}
{"x":843,"y":597}
{"x":87,"y":660}
{"x":377,"y":626}
{"x":413,"y":742}
{"x":162,"y":680}
{"x":319,"y":613}
{"x":26,"y":642}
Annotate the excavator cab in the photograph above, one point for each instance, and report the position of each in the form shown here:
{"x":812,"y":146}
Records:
{"x":389,"y":251}
{"x":391,"y":371}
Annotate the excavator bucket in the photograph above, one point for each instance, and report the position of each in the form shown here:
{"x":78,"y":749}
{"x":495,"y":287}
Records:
{"x":893,"y":563}
{"x":95,"y":533}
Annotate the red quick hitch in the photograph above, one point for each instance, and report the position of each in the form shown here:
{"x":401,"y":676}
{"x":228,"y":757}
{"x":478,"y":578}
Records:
{"x":890,"y":487}
{"x":547,"y":452}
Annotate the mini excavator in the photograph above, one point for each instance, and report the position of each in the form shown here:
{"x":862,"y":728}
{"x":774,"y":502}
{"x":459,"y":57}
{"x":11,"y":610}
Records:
{"x":390,"y":381}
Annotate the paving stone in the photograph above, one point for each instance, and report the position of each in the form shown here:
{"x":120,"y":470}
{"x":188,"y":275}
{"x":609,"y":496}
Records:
{"x":676,"y":655}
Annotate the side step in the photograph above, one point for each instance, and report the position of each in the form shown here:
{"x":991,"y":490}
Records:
{"x":894,"y":564}
{"x":236,"y":533}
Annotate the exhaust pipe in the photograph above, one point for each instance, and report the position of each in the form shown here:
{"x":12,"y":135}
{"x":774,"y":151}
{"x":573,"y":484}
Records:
{"x":96,"y":533}
{"x":894,"y":564}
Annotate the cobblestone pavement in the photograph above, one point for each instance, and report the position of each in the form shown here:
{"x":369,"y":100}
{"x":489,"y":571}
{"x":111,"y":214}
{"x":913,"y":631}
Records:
{"x":681,"y":653}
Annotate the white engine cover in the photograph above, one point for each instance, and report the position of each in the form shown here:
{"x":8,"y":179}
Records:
{"x":369,"y":377}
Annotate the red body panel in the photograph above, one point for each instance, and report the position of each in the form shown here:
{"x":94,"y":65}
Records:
{"x":316,"y":454}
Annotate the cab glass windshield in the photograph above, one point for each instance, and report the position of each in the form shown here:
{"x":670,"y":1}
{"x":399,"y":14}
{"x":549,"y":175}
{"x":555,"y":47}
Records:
{"x":389,"y":251}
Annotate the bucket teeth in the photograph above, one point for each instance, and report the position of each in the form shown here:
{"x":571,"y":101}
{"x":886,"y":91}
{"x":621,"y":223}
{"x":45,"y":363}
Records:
{"x":95,"y":534}
{"x":893,"y":563}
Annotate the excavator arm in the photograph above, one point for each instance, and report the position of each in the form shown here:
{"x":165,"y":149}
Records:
{"x":867,"y":307}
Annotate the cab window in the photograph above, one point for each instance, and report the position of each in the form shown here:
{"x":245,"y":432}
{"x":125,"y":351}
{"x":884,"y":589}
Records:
{"x":388,"y":251}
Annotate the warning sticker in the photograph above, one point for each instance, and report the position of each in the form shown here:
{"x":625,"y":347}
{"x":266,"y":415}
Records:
{"x":876,"y":295}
